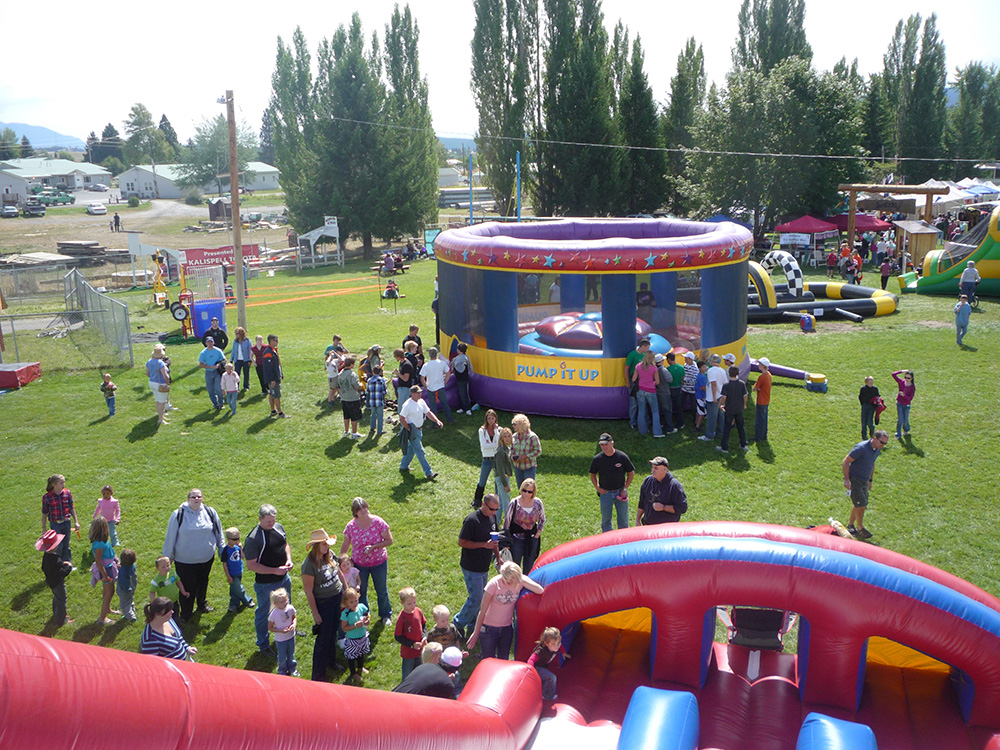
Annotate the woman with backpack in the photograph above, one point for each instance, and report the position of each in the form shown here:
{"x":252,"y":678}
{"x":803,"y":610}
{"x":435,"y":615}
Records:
{"x":194,"y":537}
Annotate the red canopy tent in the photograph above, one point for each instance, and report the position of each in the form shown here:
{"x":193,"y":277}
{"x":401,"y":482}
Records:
{"x":862,"y":223}
{"x":806,"y":225}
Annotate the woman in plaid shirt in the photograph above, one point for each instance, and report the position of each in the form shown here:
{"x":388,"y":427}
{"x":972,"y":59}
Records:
{"x":525,"y":449}
{"x":58,"y":509}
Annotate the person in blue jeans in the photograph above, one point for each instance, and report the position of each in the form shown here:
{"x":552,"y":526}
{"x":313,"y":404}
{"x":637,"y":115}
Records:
{"x":232,"y":556}
{"x":611,"y":473}
{"x":209,"y":360}
{"x":478,"y":540}
{"x":269,"y":557}
{"x":411,"y":418}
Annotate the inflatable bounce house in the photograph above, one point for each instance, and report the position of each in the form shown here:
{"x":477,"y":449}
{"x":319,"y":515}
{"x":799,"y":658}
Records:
{"x":942,"y":268}
{"x":680,"y":283}
{"x":890,"y":653}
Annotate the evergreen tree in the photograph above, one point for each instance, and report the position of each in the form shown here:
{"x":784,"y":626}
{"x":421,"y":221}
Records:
{"x":265,"y":152}
{"x":876,"y":138}
{"x":551,"y":122}
{"x":109,"y":147}
{"x":207,"y":161}
{"x":93,"y":142}
{"x":922,"y":134}
{"x":687,"y":95}
{"x":991,"y":118}
{"x":10,"y":148}
{"x":145,"y":142}
{"x":899,"y":63}
{"x":966,"y":136}
{"x":169,"y":134}
{"x":770,"y":31}
{"x":26,"y":150}
{"x":643,"y":172}
{"x":618,"y":60}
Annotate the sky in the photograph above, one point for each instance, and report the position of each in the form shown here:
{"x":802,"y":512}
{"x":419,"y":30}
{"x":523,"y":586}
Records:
{"x":89,"y":64}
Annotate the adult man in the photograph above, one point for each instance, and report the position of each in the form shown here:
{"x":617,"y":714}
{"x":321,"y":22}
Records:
{"x":663,"y":400}
{"x":611,"y":473}
{"x":432,"y":375}
{"x":218,"y":335}
{"x":644,"y":303}
{"x":677,"y":375}
{"x":859,"y":470}
{"x":412,"y":336}
{"x":210,"y":361}
{"x":962,"y":312}
{"x":969,"y":279}
{"x":762,"y":392}
{"x":273,"y":375}
{"x":411,"y":419}
{"x":661,"y":497}
{"x":479,"y":548}
{"x":717,"y":378}
{"x":405,"y":377}
{"x":434,"y":676}
{"x":732,"y":404}
{"x":555,"y":292}
{"x":269,"y":557}
{"x":633,"y":358}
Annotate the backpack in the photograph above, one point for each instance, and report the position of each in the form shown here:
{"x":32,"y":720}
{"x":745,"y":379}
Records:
{"x":216,"y":523}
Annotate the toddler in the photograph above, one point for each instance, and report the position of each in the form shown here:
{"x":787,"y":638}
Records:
{"x":108,"y":389}
{"x":333,"y":364}
{"x":282,"y":622}
{"x":55,"y":570}
{"x":355,"y":621}
{"x":231,"y":387}
{"x":548,"y":648}
{"x":350,"y":578}
{"x":232,"y":556}
{"x":126,"y":584}
{"x":110,"y":509}
{"x":700,"y":393}
{"x":165,"y":583}
{"x":443,"y":632}
{"x":410,"y":631}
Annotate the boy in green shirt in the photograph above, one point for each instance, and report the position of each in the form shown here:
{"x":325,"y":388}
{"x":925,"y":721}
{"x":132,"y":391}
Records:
{"x":165,"y":583}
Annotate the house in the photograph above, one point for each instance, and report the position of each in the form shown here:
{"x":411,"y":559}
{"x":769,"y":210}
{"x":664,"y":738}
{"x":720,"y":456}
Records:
{"x":18,"y":176}
{"x":161,"y":180}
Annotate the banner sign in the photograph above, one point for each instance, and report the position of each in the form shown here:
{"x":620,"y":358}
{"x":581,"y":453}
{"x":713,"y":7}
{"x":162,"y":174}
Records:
{"x":202,"y":257}
{"x":555,"y":371}
{"x":794,"y":238}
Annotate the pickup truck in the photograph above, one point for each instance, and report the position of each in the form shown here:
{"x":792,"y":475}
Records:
{"x":32,"y":209}
{"x":49,"y":198}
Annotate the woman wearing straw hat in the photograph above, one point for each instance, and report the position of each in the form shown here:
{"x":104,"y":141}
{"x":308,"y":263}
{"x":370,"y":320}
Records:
{"x":323,"y":588}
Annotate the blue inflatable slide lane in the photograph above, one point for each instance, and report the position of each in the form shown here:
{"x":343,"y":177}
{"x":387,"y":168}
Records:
{"x":660,"y":720}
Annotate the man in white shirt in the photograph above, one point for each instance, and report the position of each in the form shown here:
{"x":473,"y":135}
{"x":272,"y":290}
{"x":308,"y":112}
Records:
{"x":411,"y":419}
{"x":970,"y":277}
{"x":717,"y":378}
{"x":555,"y":292}
{"x":433,"y":374}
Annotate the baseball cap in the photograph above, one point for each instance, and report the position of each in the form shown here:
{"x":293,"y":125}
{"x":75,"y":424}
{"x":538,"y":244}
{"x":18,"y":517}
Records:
{"x":729,"y":357}
{"x":606,"y":438}
{"x":658,"y":358}
{"x":689,"y":355}
{"x":452,"y":657}
{"x":659,"y":461}
{"x":764,"y":361}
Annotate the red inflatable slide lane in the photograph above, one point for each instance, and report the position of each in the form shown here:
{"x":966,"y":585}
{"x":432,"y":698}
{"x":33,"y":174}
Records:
{"x":61,"y":694}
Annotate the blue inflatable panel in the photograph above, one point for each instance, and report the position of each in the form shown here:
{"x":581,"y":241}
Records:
{"x":820,"y":732}
{"x":661,"y":720}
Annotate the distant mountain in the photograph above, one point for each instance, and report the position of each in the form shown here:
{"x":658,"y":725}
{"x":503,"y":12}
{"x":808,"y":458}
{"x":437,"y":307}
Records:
{"x":43,"y":137}
{"x":452,"y":144}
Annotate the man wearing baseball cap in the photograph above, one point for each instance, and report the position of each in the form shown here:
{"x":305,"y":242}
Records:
{"x":762,"y":393}
{"x":661,"y":497}
{"x":611,"y":473}
{"x":434,"y":676}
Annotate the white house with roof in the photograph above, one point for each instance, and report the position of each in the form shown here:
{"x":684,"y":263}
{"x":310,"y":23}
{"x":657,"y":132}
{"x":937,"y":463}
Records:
{"x":18,"y":176}
{"x":161,"y":180}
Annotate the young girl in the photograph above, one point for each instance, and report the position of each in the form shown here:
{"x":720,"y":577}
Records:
{"x":548,"y":648}
{"x":127,"y":583}
{"x":258,"y":363}
{"x":231,"y":387}
{"x":105,"y":567}
{"x":282,"y":622}
{"x":903,"y":401}
{"x":503,"y":469}
{"x":349,"y":575}
{"x":108,"y":389}
{"x":109,"y":508}
{"x":647,"y":376}
{"x":355,"y":620}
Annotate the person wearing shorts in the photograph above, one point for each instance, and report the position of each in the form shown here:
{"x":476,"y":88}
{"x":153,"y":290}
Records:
{"x":159,"y":381}
{"x":273,"y":375}
{"x":859,"y":469}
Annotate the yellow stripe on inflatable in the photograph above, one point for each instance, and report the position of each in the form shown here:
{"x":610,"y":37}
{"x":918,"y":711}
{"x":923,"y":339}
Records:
{"x":884,"y":304}
{"x":763,"y":284}
{"x":834,"y":290}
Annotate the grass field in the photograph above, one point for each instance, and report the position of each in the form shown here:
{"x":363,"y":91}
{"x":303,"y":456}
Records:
{"x":934,"y":497}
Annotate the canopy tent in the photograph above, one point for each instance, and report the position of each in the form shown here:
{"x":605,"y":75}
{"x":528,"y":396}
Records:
{"x":719,"y":218}
{"x":862,"y":223}
{"x":806,"y":225}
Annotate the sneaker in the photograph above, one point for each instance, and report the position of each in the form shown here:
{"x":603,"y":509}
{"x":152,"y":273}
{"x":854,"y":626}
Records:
{"x":234,"y":609}
{"x":282,"y":415}
{"x":387,"y":622}
{"x":704,"y":437}
{"x":659,"y":436}
{"x":865,"y":534}
{"x":347,"y":434}
{"x":744,"y":448}
{"x":341,"y":643}
{"x":460,"y":411}
{"x":669,"y":432}
{"x":206,"y":608}
{"x":274,"y":412}
{"x":852,"y":529}
{"x":432,"y":475}
{"x":295,"y":674}
{"x":721,"y":449}
{"x":357,"y":435}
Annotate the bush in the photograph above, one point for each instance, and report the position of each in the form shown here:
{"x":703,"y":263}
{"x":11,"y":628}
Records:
{"x":194,"y":198}
{"x":133,"y":201}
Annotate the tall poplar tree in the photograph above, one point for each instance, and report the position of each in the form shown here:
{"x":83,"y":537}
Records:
{"x":687,"y":96}
{"x":770,"y":31}
{"x":643,"y":167}
{"x":922,"y":134}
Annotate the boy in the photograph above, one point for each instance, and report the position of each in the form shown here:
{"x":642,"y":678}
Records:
{"x":108,"y":389}
{"x":733,"y":403}
{"x":126,"y":584}
{"x":232,"y":556}
{"x":231,"y":387}
{"x":166,"y":583}
{"x":375,"y":390}
{"x":443,"y":632}
{"x":410,"y":631}
{"x":700,"y":393}
{"x":762,"y":390}
{"x":461,"y":365}
{"x":55,"y":571}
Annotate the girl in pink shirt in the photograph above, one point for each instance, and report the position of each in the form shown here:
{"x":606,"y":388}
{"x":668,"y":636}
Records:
{"x":109,"y":509}
{"x":647,"y":375}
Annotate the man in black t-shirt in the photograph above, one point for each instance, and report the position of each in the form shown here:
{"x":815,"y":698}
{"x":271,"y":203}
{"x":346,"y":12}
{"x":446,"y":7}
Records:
{"x":432,"y":678}
{"x":611,"y":473}
{"x":270,"y":558}
{"x":479,"y":547}
{"x":405,"y":375}
{"x":732,"y":404}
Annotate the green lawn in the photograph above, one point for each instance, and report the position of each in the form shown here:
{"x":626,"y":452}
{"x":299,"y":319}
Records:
{"x":933,"y":497}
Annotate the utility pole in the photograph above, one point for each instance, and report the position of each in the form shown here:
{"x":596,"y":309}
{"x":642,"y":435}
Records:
{"x":234,"y":196}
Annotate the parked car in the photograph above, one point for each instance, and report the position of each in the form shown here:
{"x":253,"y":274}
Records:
{"x":32,"y":209}
{"x":98,"y":187}
{"x":53,"y":198}
{"x":96,"y":208}
{"x":8,"y":212}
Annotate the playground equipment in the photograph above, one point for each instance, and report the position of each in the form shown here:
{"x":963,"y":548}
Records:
{"x":889,"y":651}
{"x":942,"y":268}
{"x":489,"y":281}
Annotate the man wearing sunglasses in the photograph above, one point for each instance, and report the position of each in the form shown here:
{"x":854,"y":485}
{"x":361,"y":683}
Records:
{"x":859,"y":469}
{"x":478,"y":540}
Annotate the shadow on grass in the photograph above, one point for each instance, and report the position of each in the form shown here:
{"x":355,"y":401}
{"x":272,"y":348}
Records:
{"x":206,"y":416}
{"x":764,"y":452}
{"x":967,"y":348}
{"x":407,"y":484}
{"x":111,"y":632}
{"x":260,"y":424}
{"x":143,"y":430}
{"x":87,"y":633}
{"x":736,"y":459}
{"x":51,"y":628}
{"x":105,"y":418}
{"x":261,"y":662}
{"x":370,"y":442}
{"x":339,"y":449}
{"x":375,"y":633}
{"x":23,"y":598}
{"x":907,"y":445}
{"x":220,"y":629}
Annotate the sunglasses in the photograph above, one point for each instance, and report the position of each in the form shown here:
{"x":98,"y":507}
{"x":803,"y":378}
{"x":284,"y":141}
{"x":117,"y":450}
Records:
{"x":491,"y":507}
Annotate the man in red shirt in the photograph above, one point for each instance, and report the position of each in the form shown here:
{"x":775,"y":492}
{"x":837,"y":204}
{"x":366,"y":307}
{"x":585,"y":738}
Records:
{"x":762,"y":393}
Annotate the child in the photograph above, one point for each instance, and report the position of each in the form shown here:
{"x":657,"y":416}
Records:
{"x":55,"y":570}
{"x":503,"y":469}
{"x":165,"y":583}
{"x":126,"y":584}
{"x":282,"y":622}
{"x":231,"y":387}
{"x":333,"y":363}
{"x":410,"y":631}
{"x":232,"y":556}
{"x":355,"y":620}
{"x":109,"y":508}
{"x":350,"y":578}
{"x":108,"y":389}
{"x":462,"y":367}
{"x":443,"y":632}
{"x":700,"y":393}
{"x":375,"y":390}
{"x":548,"y":648}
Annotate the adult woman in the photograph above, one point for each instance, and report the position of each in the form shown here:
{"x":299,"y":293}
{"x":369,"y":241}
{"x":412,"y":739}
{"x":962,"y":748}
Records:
{"x":904,"y":399}
{"x":494,"y":625}
{"x":647,"y":376}
{"x":257,"y":350}
{"x":489,"y":439}
{"x":525,"y":522}
{"x":105,"y":568}
{"x":240,"y":356}
{"x":159,"y":381}
{"x":161,"y":636}
{"x":503,"y":469}
{"x":323,"y":588}
{"x":368,"y":537}
{"x":525,"y":449}
{"x":194,"y":535}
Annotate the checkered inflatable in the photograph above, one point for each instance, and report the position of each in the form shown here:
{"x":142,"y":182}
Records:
{"x":789,"y":265}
